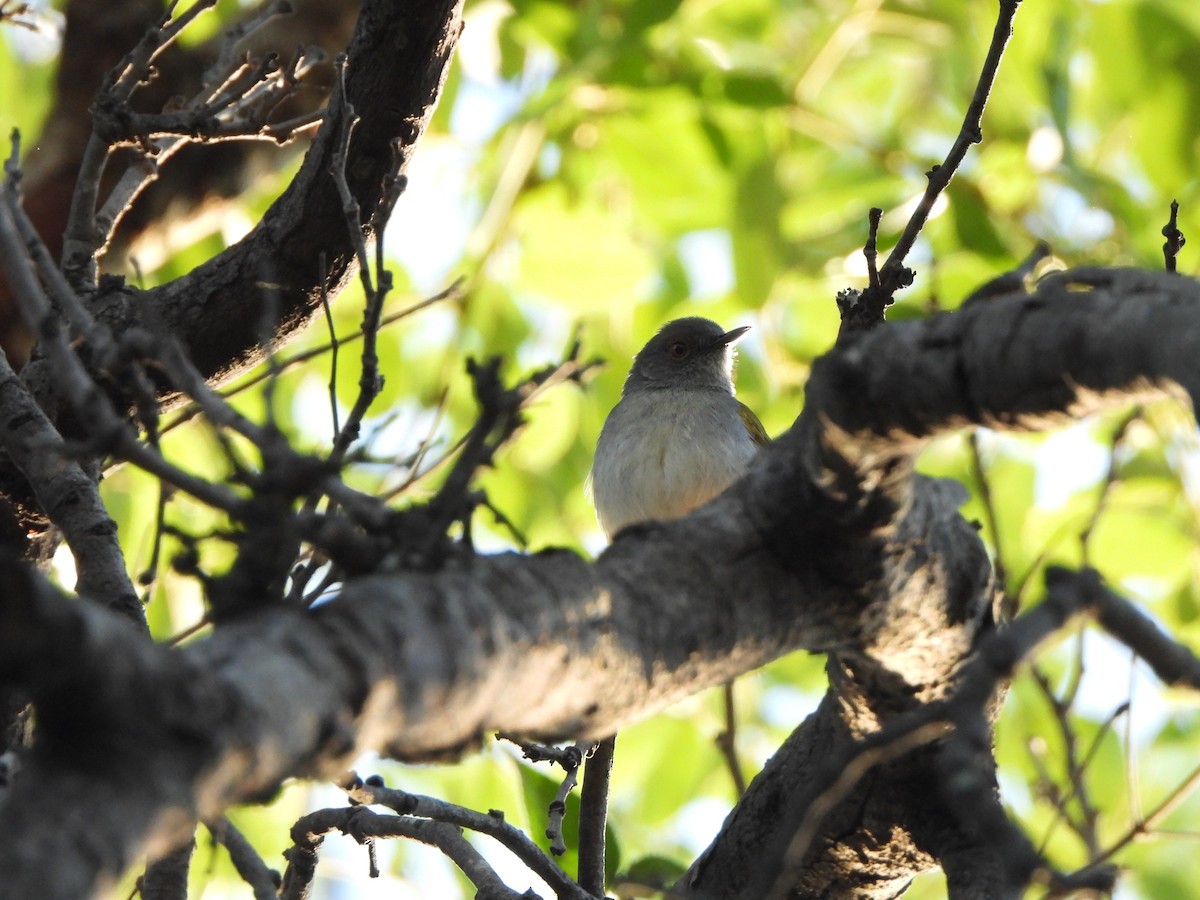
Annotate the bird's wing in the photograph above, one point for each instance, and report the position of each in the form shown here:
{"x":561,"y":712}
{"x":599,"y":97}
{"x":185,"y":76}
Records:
{"x":758,"y":434}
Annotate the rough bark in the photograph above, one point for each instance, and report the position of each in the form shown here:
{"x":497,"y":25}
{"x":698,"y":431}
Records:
{"x":269,"y":285}
{"x":830,"y":543}
{"x":397,"y":64}
{"x":95,"y":38}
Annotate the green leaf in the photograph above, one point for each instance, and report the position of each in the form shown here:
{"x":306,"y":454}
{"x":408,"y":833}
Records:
{"x":666,"y":161}
{"x":757,"y":244}
{"x":648,"y":876}
{"x":643,"y":14}
{"x":576,"y":253}
{"x":755,"y":90}
{"x":547,"y":21}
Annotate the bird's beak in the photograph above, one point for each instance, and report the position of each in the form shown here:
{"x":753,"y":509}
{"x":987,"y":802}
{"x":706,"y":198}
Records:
{"x":731,"y":337}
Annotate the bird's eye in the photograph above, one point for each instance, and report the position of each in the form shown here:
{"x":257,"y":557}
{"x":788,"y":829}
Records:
{"x":678,"y":350}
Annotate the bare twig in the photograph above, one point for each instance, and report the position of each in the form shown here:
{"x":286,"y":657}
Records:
{"x":1175,"y":238}
{"x":234,"y":102}
{"x":573,"y":757}
{"x":416,"y":460}
{"x":376,"y":289}
{"x":499,"y":418}
{"x":343,"y":114}
{"x":11,"y":12}
{"x":1009,"y":601}
{"x":491,"y":823}
{"x":1086,"y":825}
{"x":893,"y":275}
{"x":235,"y":111}
{"x":333,"y":346}
{"x":862,"y":310}
{"x":298,"y":359}
{"x":871,"y":250}
{"x":726,"y":741}
{"x":83,"y":237}
{"x":1111,"y":477}
{"x":1147,"y":825}
{"x":189,"y":632}
{"x":569,"y":758}
{"x":962,"y":724}
{"x":365,"y":826}
{"x":149,"y":574}
{"x":65,"y":490}
{"x":262,"y":879}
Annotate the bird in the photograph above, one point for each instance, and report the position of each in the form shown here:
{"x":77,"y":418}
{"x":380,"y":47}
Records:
{"x":678,"y":436}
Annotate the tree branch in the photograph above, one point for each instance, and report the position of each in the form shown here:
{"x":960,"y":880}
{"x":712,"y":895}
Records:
{"x":864,"y":310}
{"x":65,"y":491}
{"x":217,"y":310}
{"x":829,"y":543}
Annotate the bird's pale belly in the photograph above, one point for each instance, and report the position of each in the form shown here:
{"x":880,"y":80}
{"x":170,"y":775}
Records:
{"x":670,"y":467}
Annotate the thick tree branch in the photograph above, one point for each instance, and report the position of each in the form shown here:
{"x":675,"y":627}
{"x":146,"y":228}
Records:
{"x":219,"y":310}
{"x":65,"y":491}
{"x":95,"y":38}
{"x":1014,"y":361}
{"x":830,"y":543}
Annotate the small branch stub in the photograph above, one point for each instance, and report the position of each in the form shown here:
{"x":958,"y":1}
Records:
{"x":1175,"y":239}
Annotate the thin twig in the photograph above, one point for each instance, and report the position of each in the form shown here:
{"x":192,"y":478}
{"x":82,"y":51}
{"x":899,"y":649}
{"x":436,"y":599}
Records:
{"x":150,"y":574}
{"x":38,"y":449}
{"x":865,"y":309}
{"x":298,"y":359}
{"x":572,"y":759}
{"x":83,"y":237}
{"x":893,"y":275}
{"x":343,"y":112}
{"x":569,"y":758}
{"x":1146,"y":826}
{"x":365,"y":826}
{"x":11,"y":12}
{"x":416,"y":460}
{"x":1175,"y":238}
{"x":491,"y":824}
{"x":250,"y":866}
{"x":234,"y":102}
{"x":726,"y":741}
{"x":1008,"y":607}
{"x":1076,"y":766}
{"x":871,"y":251}
{"x":1132,"y":782}
{"x":1111,"y":477}
{"x":333,"y":344}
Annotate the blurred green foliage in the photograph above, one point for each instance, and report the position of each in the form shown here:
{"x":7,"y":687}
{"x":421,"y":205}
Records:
{"x":601,"y":166}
